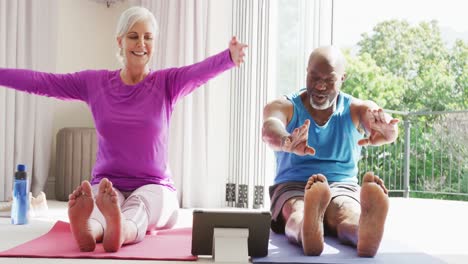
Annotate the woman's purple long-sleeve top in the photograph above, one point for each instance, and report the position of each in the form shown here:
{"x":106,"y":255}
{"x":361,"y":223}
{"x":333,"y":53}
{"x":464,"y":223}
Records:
{"x":132,"y":121}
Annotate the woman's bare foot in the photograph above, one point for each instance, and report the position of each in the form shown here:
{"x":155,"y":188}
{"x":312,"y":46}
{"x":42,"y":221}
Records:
{"x":108,"y":204}
{"x":374,"y":208}
{"x":80,"y":207}
{"x":316,"y":199}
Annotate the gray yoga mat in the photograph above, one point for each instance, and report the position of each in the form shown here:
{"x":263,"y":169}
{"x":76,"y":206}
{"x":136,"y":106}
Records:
{"x":390,"y":251}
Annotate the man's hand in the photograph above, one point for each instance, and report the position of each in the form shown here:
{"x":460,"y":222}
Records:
{"x":237,"y":51}
{"x":297,"y":142}
{"x":381,"y":129}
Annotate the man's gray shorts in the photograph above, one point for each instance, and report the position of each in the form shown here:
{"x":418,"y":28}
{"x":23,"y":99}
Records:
{"x":280,"y":193}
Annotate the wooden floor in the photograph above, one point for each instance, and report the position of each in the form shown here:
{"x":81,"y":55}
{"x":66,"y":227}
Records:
{"x":435,"y":227}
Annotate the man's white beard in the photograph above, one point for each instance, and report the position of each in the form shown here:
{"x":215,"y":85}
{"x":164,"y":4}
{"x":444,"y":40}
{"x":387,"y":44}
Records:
{"x":324,"y":106}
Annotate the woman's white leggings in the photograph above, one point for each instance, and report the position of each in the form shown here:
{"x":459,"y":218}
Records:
{"x":150,"y":207}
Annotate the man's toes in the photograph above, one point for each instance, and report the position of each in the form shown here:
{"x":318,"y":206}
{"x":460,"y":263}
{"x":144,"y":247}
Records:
{"x":368,"y":177}
{"x":315,"y":178}
{"x":377,"y":179}
{"x":381,"y":183}
{"x":318,"y":177}
{"x":322,"y":178}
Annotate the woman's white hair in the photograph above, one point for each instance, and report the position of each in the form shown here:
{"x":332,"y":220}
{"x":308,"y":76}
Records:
{"x":126,"y":21}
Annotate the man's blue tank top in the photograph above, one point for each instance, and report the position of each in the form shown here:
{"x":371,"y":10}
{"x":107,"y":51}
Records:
{"x":336,"y":145}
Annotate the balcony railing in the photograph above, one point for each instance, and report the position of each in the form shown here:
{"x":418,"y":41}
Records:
{"x":430,"y":156}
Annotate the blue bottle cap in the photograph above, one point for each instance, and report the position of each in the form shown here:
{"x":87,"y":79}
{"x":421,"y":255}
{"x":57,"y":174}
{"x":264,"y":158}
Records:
{"x":21,"y":167}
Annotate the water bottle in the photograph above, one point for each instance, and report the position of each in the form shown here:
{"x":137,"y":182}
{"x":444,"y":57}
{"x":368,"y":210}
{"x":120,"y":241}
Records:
{"x":20,"y":206}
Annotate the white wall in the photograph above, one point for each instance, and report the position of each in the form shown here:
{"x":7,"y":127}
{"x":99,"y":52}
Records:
{"x":85,"y":41}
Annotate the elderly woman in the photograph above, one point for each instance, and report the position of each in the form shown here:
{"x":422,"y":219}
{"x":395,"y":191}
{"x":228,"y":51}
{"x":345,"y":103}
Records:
{"x":131,"y":190}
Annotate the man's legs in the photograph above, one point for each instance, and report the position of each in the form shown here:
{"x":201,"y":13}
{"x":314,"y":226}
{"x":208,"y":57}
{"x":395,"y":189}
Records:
{"x":374,"y":209}
{"x":342,"y":219}
{"x":360,"y":225}
{"x":316,"y":200}
{"x":293,"y":214}
{"x":304,"y":217}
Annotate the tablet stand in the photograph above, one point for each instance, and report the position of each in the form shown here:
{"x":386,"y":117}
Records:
{"x":230,"y":245}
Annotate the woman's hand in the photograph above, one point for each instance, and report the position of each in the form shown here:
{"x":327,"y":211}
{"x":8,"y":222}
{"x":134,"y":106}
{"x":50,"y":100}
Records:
{"x":237,"y":51}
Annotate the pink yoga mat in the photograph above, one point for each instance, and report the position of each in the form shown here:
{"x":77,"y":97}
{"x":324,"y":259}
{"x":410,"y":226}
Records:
{"x":171,"y":244}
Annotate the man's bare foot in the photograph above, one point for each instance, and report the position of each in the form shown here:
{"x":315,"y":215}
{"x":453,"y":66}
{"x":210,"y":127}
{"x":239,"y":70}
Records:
{"x":107,"y":202}
{"x":374,"y":208}
{"x":316,"y":199}
{"x":80,"y":207}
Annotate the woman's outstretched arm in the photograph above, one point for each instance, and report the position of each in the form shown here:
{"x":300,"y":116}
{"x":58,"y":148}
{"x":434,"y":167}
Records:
{"x":61,"y":86}
{"x":183,"y":80}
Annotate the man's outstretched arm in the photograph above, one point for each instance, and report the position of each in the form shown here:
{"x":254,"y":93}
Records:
{"x":276,"y":116}
{"x":381,"y":128}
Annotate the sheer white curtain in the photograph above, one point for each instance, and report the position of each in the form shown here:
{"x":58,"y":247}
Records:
{"x":26,"y":41}
{"x":281,"y":35}
{"x":184,"y":38}
{"x":249,"y":160}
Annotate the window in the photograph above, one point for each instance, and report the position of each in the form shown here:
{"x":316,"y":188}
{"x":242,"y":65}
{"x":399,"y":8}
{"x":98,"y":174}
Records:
{"x":414,"y":50}
{"x":353,"y":18}
{"x":411,"y":56}
{"x":404,"y":55}
{"x":300,"y":26}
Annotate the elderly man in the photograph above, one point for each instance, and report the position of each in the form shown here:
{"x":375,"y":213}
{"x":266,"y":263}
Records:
{"x":317,"y":134}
